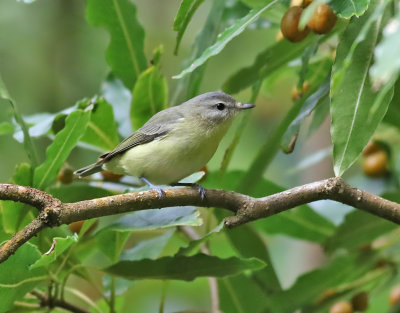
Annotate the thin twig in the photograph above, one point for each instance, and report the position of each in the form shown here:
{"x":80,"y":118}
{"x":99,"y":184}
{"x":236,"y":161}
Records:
{"x":46,"y":302}
{"x":54,"y":213}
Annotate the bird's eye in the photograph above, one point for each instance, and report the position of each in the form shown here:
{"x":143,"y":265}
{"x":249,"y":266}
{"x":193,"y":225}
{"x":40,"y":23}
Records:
{"x":220,"y":106}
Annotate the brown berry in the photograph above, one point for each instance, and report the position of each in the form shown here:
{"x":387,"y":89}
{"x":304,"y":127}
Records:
{"x":341,"y":307}
{"x":375,"y":164}
{"x":290,"y":25}
{"x":297,"y":94}
{"x":306,"y":86}
{"x":75,"y":227}
{"x":306,"y":3}
{"x":65,"y":176}
{"x":322,"y":20}
{"x":360,"y":301}
{"x":394,"y":296}
{"x":370,"y":148}
{"x":110,"y":176}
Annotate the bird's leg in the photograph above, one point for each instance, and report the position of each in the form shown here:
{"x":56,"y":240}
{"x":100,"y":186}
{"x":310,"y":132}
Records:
{"x":161,"y":192}
{"x":199,"y":188}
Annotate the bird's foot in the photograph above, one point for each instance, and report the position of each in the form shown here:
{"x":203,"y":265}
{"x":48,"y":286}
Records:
{"x":160,"y":191}
{"x":200,"y":189}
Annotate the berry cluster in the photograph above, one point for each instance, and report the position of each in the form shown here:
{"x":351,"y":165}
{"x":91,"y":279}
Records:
{"x":321,"y":22}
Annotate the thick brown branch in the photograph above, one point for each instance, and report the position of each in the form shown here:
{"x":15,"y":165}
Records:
{"x":145,"y":200}
{"x":37,"y":198}
{"x":329,"y":189}
{"x":16,"y":241}
{"x":54,"y":213}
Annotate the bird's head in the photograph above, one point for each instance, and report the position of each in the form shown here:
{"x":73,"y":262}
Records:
{"x":215,"y":107}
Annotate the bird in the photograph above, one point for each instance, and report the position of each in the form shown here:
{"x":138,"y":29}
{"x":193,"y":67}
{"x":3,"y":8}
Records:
{"x":173,"y":143}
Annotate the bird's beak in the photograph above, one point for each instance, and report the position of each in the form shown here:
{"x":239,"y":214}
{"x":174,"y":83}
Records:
{"x":244,"y":106}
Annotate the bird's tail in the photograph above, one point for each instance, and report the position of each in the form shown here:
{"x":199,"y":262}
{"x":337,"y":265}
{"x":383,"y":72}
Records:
{"x":89,"y":170}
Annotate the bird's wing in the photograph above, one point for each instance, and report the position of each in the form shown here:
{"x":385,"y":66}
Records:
{"x":158,"y":126}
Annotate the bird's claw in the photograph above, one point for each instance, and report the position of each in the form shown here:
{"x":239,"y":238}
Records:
{"x":201,"y":190}
{"x":160,"y":191}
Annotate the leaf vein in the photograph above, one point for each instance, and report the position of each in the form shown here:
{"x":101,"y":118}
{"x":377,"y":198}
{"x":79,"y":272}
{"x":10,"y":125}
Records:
{"x":127,"y":38}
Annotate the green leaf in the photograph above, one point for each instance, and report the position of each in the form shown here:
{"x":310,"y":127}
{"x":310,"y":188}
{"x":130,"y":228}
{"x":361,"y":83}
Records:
{"x":191,"y":83}
{"x":318,"y":72}
{"x":268,"y":61}
{"x":352,"y":124}
{"x":348,"y":8}
{"x":183,"y":17}
{"x":125,"y":54}
{"x":158,"y":218}
{"x":101,"y":129}
{"x":14,"y":212}
{"x":41,"y":123}
{"x":119,"y":286}
{"x":306,"y":64}
{"x":320,"y":114}
{"x":120,"y":98}
{"x":149,"y":96}
{"x":308,"y":106}
{"x":60,"y":148}
{"x":111,"y":242}
{"x":28,"y":144}
{"x":6,"y":128}
{"x":253,"y":3}
{"x":238,"y":295}
{"x":226,"y":36}
{"x":268,"y":151}
{"x":58,"y":247}
{"x":359,"y":228}
{"x":184,"y":267}
{"x":148,"y":249}
{"x":241,"y":236}
{"x":344,"y":59}
{"x":3,"y":91}
{"x":188,"y":87}
{"x":16,"y":279}
{"x":387,"y":58}
{"x":196,"y":243}
{"x":393,"y":113}
{"x":310,"y":286}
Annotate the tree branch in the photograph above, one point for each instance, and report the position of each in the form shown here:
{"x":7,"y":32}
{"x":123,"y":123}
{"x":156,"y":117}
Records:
{"x":54,"y":213}
{"x":51,"y":303}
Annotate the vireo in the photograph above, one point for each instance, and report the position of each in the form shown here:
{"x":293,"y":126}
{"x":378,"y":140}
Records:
{"x":174,"y":143}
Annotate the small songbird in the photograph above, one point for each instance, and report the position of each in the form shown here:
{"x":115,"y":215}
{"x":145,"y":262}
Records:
{"x":174,"y":143}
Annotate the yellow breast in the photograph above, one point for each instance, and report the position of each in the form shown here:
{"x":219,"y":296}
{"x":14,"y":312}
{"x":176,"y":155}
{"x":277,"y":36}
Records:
{"x":180,"y":153}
